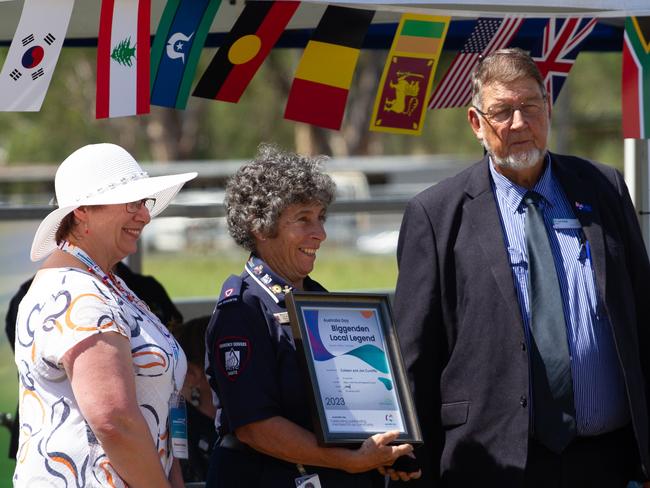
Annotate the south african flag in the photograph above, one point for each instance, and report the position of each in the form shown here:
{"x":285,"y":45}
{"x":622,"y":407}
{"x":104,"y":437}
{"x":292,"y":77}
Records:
{"x":636,"y":78}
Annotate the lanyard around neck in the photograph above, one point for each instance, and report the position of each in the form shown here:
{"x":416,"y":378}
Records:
{"x":110,"y":281}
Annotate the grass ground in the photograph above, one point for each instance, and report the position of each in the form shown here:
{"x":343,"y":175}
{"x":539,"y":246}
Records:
{"x":202,"y":275}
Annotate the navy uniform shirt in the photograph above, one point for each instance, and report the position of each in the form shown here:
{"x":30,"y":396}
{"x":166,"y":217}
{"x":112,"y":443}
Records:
{"x":255,"y":371}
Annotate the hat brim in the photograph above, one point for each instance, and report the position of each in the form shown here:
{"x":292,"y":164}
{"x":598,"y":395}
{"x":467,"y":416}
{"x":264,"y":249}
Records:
{"x":162,"y":188}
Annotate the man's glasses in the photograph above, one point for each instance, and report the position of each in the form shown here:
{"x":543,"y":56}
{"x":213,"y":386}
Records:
{"x":134,"y":207}
{"x":503,"y":113}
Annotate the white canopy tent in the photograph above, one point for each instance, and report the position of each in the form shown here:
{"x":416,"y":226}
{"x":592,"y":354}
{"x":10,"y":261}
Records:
{"x":85,"y":20}
{"x":85,"y":16}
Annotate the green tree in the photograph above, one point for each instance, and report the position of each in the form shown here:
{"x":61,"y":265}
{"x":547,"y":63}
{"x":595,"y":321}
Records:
{"x":586,"y":117}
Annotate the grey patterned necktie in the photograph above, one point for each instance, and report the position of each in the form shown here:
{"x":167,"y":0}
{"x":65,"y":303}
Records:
{"x":552,"y":386}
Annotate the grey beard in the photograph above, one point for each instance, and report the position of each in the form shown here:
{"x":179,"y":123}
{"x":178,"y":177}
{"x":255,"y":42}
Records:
{"x":517,"y":161}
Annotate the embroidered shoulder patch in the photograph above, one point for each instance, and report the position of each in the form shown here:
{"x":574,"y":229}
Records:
{"x":231,"y":291}
{"x":233,"y":354}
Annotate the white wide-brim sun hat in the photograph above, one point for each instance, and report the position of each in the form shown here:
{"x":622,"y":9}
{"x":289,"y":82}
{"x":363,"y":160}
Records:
{"x":102,"y":174}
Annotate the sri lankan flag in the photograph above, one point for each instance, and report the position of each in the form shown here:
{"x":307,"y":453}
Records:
{"x":244,"y":50}
{"x":323,"y":78}
{"x":636,"y":78}
{"x":408,"y":74}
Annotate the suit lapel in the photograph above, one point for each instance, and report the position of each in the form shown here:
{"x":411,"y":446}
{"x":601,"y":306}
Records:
{"x":483,"y":216}
{"x":585,"y":206}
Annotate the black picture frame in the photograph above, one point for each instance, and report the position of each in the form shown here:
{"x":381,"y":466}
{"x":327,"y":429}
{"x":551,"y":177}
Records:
{"x":352,"y":322}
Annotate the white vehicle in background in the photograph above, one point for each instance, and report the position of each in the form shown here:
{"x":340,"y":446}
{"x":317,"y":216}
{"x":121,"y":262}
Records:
{"x":173,"y":234}
{"x":343,"y":228}
{"x":384,"y":242}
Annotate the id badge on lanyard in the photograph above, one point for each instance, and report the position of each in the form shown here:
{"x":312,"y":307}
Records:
{"x":178,"y":425}
{"x":308,"y":481}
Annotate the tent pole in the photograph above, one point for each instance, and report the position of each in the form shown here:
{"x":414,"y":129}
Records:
{"x":637,"y":178}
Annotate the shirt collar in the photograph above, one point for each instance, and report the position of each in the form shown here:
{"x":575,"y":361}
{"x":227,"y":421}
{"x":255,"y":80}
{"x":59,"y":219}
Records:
{"x":272,"y":283}
{"x":513,"y":194}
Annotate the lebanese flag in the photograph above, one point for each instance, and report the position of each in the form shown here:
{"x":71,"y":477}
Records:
{"x":123,"y":55}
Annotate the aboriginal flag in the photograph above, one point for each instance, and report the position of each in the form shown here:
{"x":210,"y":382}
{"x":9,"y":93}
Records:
{"x":245,"y":48}
{"x":322,"y":82}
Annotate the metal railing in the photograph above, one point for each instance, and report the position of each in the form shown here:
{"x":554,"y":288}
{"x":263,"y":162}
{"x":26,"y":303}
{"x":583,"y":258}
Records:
{"x":198,"y":306}
{"x":375,"y":205}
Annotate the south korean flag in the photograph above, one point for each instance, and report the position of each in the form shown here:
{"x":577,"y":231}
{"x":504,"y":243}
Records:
{"x":33,"y":54}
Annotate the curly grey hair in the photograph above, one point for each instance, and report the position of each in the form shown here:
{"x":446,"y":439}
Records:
{"x":261,"y":190}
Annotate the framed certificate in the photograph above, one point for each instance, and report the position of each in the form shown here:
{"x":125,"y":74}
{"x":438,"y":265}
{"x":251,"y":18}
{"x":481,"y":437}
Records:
{"x":354,"y":366}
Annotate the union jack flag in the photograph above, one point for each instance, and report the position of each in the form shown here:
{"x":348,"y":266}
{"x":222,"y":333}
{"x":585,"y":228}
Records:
{"x":559,"y":49}
{"x":489,"y":34}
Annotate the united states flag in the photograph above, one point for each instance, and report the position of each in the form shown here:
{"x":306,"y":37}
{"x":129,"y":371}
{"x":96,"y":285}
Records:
{"x":559,"y":49}
{"x":454,"y":89}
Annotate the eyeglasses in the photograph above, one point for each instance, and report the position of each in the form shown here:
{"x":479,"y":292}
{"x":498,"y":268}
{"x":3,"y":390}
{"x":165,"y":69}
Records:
{"x":134,"y":207}
{"x":503,"y":113}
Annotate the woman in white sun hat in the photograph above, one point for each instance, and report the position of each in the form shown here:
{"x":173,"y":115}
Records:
{"x":99,"y":373}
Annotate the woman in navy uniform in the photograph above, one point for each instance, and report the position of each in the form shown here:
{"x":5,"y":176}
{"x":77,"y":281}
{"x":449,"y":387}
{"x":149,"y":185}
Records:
{"x":276,"y":208}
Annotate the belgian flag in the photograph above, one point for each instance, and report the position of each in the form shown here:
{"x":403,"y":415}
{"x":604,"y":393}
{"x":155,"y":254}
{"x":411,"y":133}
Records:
{"x":323,"y":78}
{"x":244,"y":50}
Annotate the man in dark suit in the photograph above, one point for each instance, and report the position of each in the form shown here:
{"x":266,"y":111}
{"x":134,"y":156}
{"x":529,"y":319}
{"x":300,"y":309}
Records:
{"x":522,"y":306}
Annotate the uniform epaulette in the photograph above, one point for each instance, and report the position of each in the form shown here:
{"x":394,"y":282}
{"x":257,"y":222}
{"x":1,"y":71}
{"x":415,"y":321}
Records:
{"x":231,"y":291}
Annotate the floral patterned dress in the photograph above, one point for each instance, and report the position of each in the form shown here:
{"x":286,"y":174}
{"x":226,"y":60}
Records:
{"x":63,"y":307}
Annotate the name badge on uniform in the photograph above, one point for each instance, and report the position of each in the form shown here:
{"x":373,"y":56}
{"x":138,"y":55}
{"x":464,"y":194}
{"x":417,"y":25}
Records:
{"x":282,"y":317}
{"x":566,"y":224}
{"x":178,"y":426}
{"x":308,"y":481}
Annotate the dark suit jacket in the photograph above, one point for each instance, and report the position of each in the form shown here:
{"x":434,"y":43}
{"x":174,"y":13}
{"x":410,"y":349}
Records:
{"x":460,"y":325}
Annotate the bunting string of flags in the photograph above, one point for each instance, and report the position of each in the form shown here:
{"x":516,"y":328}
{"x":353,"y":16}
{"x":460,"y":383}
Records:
{"x":133,"y":74}
{"x":123,"y":58}
{"x":489,"y":35}
{"x":408,"y":74}
{"x":636,"y":78}
{"x":33,"y":54}
{"x":176,"y":49}
{"x":320,"y":88}
{"x":249,"y":42}
{"x":558,"y":50}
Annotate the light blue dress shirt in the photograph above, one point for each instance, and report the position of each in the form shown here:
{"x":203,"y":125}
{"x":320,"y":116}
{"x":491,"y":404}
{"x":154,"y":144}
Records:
{"x":598,"y":387}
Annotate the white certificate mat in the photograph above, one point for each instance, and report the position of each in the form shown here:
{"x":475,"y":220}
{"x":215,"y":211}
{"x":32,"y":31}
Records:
{"x":355,"y":379}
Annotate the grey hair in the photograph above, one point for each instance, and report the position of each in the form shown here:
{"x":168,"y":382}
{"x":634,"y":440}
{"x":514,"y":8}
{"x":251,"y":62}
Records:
{"x":504,"y":66}
{"x":258,"y":193}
